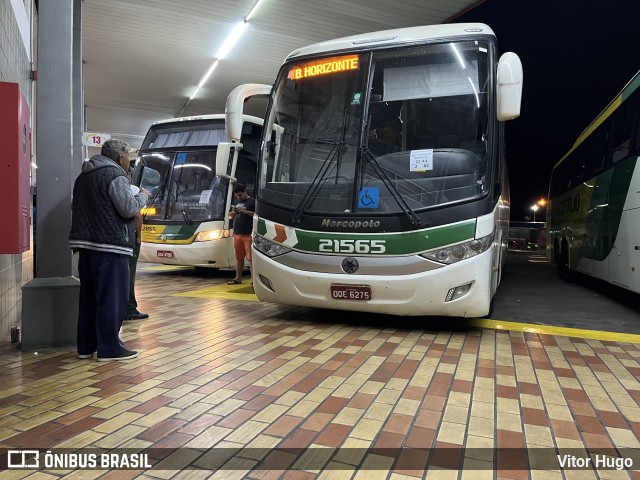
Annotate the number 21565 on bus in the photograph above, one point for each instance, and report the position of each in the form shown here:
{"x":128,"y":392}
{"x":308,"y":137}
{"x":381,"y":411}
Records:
{"x":350,"y":292}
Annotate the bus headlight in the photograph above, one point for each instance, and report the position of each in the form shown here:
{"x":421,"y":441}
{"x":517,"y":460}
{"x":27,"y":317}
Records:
{"x":148,"y":211}
{"x":269,"y":248}
{"x":461,"y":251}
{"x":207,"y":235}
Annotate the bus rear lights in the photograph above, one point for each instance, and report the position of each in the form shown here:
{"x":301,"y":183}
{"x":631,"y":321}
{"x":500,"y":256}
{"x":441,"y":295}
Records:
{"x":266,"y":282}
{"x":460,"y":251}
{"x":269,"y":248}
{"x":207,"y":235}
{"x":457,"y":292}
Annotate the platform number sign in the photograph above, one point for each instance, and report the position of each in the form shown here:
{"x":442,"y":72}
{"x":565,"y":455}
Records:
{"x":93,"y":139}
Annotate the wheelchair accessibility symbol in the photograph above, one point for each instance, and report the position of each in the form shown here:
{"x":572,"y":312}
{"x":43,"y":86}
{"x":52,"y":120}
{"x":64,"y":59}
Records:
{"x":369,"y":198}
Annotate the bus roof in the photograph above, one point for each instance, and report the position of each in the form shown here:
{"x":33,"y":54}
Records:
{"x":392,"y":37}
{"x":215,"y":116}
{"x":625,"y":93}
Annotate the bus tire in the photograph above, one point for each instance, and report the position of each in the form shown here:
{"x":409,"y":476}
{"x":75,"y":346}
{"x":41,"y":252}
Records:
{"x":563,"y":265}
{"x":490,"y":312}
{"x":555,"y":256}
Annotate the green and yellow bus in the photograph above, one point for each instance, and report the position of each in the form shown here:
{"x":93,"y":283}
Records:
{"x":190,"y":165}
{"x":593,"y":220}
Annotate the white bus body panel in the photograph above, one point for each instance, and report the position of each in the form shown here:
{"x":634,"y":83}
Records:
{"x":210,"y":254}
{"x":622,"y":265}
{"x":634,"y":250}
{"x":398,"y":36}
{"x":196,"y":254}
{"x":417,"y":294}
{"x":619,"y":265}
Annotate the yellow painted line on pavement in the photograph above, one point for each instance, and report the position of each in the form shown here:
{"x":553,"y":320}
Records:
{"x":230,"y":292}
{"x":166,"y":267}
{"x":552,"y":330}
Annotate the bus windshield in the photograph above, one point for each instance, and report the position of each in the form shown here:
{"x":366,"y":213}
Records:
{"x":420,"y":134}
{"x":183,"y":157}
{"x":190,"y":193}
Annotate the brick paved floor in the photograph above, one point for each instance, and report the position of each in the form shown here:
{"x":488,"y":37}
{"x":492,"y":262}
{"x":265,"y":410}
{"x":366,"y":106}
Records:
{"x":298,"y":393}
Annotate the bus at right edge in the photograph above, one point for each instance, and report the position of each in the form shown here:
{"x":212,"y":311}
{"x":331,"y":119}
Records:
{"x":593,"y":214}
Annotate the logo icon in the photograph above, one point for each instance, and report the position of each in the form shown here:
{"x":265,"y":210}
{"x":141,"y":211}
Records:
{"x":23,"y":459}
{"x":369,"y":198}
{"x":350,"y":265}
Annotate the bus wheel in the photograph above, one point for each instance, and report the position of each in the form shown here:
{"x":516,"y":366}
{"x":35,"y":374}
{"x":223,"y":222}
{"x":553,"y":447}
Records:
{"x":556,"y":257}
{"x":563,"y":264}
{"x":490,"y":313}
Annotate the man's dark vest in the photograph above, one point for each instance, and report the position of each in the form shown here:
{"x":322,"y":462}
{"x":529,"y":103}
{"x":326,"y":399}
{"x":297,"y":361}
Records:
{"x":95,"y":219}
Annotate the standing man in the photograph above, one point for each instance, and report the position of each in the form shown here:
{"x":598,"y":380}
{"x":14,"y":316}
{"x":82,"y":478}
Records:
{"x":103,"y":232}
{"x":242,"y":212}
{"x":132,"y":307}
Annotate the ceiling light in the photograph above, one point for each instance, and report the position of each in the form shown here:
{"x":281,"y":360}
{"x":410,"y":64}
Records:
{"x":231,"y":40}
{"x":253,"y":10}
{"x":223,"y":51}
{"x":208,"y":74}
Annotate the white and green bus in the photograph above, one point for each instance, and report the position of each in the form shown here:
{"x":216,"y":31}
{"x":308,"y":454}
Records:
{"x":382,"y":182}
{"x":593,"y":219}
{"x":188,"y":165}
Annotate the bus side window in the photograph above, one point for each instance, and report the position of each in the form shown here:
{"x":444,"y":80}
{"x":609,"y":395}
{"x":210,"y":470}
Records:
{"x":620,"y":151}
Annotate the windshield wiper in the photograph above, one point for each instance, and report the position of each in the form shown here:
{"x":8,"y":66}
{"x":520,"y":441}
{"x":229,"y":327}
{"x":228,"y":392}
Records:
{"x":185,"y":217}
{"x":397,"y":196}
{"x":338,"y":149}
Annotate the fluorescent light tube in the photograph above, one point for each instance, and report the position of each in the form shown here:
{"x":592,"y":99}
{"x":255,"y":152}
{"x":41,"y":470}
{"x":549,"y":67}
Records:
{"x":208,"y":74}
{"x":231,"y":40}
{"x":253,"y":10}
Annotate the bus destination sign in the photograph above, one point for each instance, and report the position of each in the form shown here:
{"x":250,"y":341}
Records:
{"x":323,"y":66}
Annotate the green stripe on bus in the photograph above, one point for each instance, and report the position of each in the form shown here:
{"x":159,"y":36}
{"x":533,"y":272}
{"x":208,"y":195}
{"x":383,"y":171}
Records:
{"x":593,"y":210}
{"x":398,"y":243}
{"x":261,"y":228}
{"x":170,"y":233}
{"x":605,"y":209}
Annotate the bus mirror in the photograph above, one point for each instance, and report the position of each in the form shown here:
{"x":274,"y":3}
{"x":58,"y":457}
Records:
{"x":235,"y":104}
{"x":509,"y":86}
{"x":224,"y":155}
{"x":150,"y":179}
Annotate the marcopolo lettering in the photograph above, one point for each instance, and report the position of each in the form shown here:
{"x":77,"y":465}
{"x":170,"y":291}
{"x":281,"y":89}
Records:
{"x":326,"y":222}
{"x":569,"y":205}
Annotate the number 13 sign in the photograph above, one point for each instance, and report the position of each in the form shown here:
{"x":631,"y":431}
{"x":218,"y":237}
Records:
{"x":92,"y":139}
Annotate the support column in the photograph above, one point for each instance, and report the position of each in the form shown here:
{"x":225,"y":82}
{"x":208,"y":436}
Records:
{"x":50,"y":301}
{"x":78,"y":106}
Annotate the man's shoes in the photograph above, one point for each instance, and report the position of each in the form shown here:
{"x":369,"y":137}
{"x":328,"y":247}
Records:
{"x":85,"y":356}
{"x":136,"y":316}
{"x":125,"y":355}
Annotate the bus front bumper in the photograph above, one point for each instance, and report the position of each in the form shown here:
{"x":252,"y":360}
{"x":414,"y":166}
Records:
{"x":211,"y":254}
{"x":421,"y":293}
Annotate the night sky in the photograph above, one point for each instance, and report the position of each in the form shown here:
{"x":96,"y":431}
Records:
{"x":576,"y":56}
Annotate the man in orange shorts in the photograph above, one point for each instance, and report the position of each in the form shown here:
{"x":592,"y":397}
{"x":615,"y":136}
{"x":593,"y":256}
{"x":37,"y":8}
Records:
{"x":242,"y":214}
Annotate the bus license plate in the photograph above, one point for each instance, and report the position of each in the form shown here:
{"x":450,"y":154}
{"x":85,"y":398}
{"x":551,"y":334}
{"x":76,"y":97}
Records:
{"x":351,"y":292}
{"x":165,"y":253}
